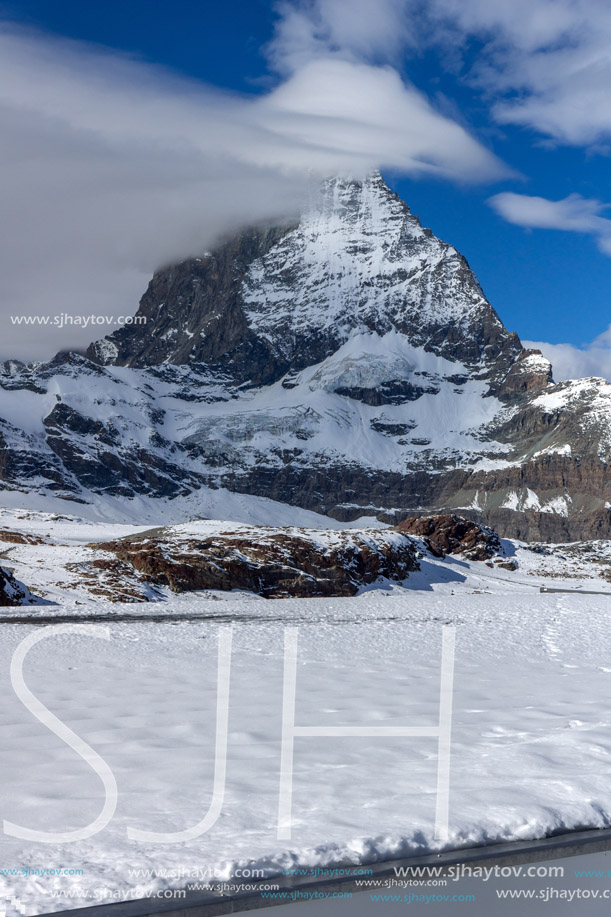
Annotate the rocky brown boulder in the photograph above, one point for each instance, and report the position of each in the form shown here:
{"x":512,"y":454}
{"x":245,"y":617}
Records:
{"x":451,"y":534}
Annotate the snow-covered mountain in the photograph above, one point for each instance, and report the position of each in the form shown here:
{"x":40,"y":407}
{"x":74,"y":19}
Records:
{"x":348,"y":365}
{"x":278,"y":300}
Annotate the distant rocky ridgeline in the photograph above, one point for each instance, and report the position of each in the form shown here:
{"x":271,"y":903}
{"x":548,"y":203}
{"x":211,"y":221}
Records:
{"x":349,"y":364}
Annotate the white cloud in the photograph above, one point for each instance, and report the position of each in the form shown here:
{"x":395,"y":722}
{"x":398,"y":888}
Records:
{"x":572,"y":214}
{"x":372,"y":30}
{"x":111,"y":167}
{"x":570,"y":362}
{"x":548,"y":62}
{"x":339,"y":113}
{"x":543,"y":64}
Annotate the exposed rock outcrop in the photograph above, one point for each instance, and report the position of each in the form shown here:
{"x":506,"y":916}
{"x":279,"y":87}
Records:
{"x":273,"y":563}
{"x":193,"y":313}
{"x":13,"y":592}
{"x":451,"y":534}
{"x":530,"y":373}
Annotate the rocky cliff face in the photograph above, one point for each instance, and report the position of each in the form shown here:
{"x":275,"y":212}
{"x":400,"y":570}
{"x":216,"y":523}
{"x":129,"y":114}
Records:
{"x":349,"y":364}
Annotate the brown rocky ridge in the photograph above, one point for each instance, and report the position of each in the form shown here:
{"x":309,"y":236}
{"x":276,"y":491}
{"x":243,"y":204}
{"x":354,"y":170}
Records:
{"x":213,"y":557}
{"x":270,"y":562}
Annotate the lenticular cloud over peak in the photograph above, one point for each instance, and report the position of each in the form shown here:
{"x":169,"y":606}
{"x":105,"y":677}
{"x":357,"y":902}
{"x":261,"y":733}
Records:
{"x":142,"y":167}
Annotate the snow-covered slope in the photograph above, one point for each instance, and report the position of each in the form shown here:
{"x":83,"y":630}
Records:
{"x":530,"y":743}
{"x":348,"y":365}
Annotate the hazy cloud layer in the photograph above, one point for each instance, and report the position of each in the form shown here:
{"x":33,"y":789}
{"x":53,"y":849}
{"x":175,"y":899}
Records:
{"x":112,"y":168}
{"x":572,"y":214}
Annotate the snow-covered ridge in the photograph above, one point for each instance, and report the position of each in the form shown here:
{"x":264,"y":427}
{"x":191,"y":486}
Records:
{"x":321,"y":414}
{"x":131,"y":441}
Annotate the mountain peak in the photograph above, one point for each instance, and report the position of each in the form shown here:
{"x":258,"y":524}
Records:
{"x":370,"y":199}
{"x":273,"y":300}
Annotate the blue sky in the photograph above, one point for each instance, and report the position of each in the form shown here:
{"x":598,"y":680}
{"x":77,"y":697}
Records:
{"x":500,"y":84}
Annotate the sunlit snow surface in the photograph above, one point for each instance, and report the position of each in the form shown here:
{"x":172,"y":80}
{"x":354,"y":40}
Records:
{"x":531,"y":742}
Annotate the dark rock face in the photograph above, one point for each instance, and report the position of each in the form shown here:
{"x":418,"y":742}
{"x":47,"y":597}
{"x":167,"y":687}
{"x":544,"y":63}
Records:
{"x":535,"y":526}
{"x":193,"y":313}
{"x":530,"y":373}
{"x":113,"y":468}
{"x":273,"y":563}
{"x":451,"y":534}
{"x":396,"y":391}
{"x":13,"y":592}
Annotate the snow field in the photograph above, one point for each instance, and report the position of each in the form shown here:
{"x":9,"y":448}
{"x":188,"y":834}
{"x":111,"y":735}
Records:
{"x":530,"y":754}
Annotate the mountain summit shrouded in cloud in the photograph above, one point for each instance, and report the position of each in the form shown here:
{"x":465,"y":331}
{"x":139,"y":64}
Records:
{"x":113,"y":167}
{"x":347,"y":363}
{"x":117,"y":161}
